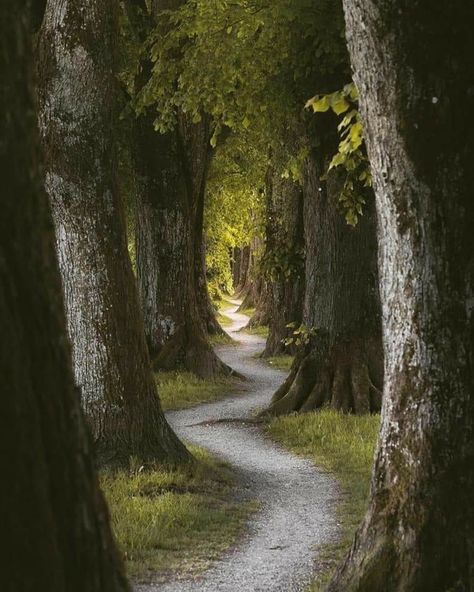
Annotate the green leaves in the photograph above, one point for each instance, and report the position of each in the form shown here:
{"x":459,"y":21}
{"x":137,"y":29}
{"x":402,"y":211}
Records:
{"x":351,"y":155}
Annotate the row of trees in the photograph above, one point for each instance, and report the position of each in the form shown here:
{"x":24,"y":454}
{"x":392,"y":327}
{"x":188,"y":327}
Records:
{"x":410,"y":70}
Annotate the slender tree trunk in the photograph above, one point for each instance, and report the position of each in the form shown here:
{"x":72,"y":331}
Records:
{"x":53,"y":516}
{"x":413,"y":68}
{"x":196,"y":145}
{"x":236,"y":264}
{"x":250,"y":293}
{"x":341,"y":364}
{"x":78,"y":116}
{"x":286,"y":246}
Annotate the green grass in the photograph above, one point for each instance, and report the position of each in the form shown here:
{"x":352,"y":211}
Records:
{"x":343,"y":445}
{"x":168,"y":521}
{"x":221,"y":340}
{"x":180,"y":389}
{"x":225,"y":304}
{"x":223,"y":320}
{"x":283,"y":362}
{"x":260,"y":330}
{"x":247,"y":311}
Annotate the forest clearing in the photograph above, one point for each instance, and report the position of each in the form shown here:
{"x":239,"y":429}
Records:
{"x":237,"y":296}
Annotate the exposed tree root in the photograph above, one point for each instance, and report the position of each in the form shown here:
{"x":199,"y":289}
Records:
{"x":137,"y":430}
{"x":343,"y":376}
{"x":193,"y":353}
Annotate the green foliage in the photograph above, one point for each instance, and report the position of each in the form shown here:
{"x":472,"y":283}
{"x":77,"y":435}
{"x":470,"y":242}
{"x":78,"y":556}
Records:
{"x":351,"y":156}
{"x":243,"y":62}
{"x":283,"y":262}
{"x":301,"y":335}
{"x":344,"y":445}
{"x":181,"y":519}
{"x":234,"y":205}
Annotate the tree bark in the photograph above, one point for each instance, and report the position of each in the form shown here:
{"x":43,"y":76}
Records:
{"x":285,"y":243}
{"x":168,"y":232}
{"x":54,"y":518}
{"x":413,"y":68}
{"x":78,"y":96}
{"x":341,"y":363}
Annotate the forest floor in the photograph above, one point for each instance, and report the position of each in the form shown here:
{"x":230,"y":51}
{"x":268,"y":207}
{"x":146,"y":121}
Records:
{"x":297,"y":514}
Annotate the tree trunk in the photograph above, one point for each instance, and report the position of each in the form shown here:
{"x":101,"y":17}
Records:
{"x":54,"y":518}
{"x":236,"y":264}
{"x":78,"y":115}
{"x":285,"y":240}
{"x":196,"y":143}
{"x":261,"y":316}
{"x":341,"y":361}
{"x":250,"y":292}
{"x":244,"y":268}
{"x":413,"y":68}
{"x":167,"y":236}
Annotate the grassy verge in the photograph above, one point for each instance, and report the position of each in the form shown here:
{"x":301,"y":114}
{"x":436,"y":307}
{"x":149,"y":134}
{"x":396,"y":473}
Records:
{"x":281,"y":362}
{"x":260,"y":330}
{"x":223,"y":320}
{"x":174,"y":521}
{"x":247,"y":311}
{"x":224,"y":339}
{"x":343,"y":445}
{"x":180,"y":389}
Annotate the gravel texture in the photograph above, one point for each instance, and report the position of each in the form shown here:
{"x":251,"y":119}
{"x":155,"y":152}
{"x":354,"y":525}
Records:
{"x":297,"y":500}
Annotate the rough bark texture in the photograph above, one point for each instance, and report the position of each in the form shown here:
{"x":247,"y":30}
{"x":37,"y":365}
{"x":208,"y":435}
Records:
{"x":413,"y":68}
{"x":250,"y":284}
{"x":342,"y":364}
{"x":53,"y":516}
{"x":167,"y":235}
{"x":173,"y":170}
{"x":262,"y":302}
{"x":78,"y":116}
{"x":285,"y":242}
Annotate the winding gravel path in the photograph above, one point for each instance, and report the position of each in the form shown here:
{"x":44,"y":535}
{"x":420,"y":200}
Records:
{"x":297,"y":501}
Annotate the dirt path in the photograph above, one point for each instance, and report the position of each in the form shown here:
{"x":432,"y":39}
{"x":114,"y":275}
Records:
{"x":297,"y":501}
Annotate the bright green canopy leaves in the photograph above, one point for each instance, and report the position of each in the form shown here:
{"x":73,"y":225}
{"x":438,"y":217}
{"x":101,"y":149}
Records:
{"x":246,"y":63}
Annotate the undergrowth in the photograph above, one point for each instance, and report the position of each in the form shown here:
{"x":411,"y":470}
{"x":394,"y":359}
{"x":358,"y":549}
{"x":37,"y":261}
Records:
{"x":180,"y":389}
{"x":174,"y":521}
{"x":283,"y":362}
{"x":344,"y":445}
{"x":260,"y":330}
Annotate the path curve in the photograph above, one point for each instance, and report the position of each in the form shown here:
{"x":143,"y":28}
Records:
{"x":297,"y":501}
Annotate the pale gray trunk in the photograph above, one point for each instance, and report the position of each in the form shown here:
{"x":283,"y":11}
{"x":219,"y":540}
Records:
{"x":413,"y":68}
{"x":79,"y":113}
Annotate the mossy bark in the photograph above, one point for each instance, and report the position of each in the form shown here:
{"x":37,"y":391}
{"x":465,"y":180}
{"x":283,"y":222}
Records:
{"x":342,"y":364}
{"x":285,"y":245}
{"x":413,"y":68}
{"x":172,"y":170}
{"x":78,"y":116}
{"x":168,"y":242}
{"x":54,"y":519}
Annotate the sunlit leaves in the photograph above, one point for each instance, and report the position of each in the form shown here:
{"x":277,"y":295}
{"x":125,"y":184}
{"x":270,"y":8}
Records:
{"x":351,"y":155}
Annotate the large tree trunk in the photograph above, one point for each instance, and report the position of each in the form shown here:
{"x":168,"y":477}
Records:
{"x":78,"y":116}
{"x":413,"y":68}
{"x":54,"y":519}
{"x":285,"y":245}
{"x":167,"y":236}
{"x":341,"y":365}
{"x":173,"y":170}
